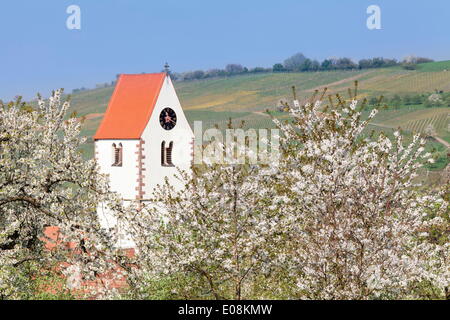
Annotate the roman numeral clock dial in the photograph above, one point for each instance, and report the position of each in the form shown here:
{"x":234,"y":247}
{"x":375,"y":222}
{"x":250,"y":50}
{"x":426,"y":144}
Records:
{"x":167,"y":118}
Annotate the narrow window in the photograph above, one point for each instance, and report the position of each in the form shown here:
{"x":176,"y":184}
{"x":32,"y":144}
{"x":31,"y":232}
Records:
{"x":117,"y":155}
{"x":166,"y":154}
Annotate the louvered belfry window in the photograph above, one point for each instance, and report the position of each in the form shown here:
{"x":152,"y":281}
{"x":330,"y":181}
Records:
{"x":166,"y":154}
{"x":117,"y":155}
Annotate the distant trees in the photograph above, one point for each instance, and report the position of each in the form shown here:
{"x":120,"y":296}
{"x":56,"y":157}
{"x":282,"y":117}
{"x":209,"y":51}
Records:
{"x":295,"y":62}
{"x":416,"y":99}
{"x":103,"y":85}
{"x":345,"y":63}
{"x":198,"y":74}
{"x":300,"y":63}
{"x":230,"y":70}
{"x":411,"y":62}
{"x":396,"y":101}
{"x":430,"y":131}
{"x":309,"y":65}
{"x":416,"y":60}
{"x":430,"y":100}
{"x":379,"y":62}
{"x":326,"y":64}
{"x":214,"y":73}
{"x":407,"y":100}
{"x":234,"y":68}
{"x":373,"y":101}
{"x":278,"y":67}
{"x":76,"y":90}
{"x":434,"y":100}
{"x":258,"y":70}
{"x":447,"y":101}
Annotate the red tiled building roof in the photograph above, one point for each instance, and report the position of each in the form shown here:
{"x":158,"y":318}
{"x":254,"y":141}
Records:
{"x":131,"y":106}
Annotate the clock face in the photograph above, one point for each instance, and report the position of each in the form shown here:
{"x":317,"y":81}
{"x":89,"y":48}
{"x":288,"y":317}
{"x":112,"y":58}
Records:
{"x":167,"y":118}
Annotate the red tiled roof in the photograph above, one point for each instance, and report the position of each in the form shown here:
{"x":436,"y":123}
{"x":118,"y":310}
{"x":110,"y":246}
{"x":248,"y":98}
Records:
{"x":131,"y":106}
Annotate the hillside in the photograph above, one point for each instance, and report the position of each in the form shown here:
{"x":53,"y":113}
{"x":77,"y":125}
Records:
{"x":246,"y":97}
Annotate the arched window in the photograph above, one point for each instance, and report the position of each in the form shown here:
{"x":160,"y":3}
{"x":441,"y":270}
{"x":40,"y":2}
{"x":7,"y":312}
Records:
{"x":117,"y":155}
{"x":166,"y":154}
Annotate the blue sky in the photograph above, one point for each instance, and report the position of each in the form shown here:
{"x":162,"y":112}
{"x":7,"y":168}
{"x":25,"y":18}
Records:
{"x":38,"y":53}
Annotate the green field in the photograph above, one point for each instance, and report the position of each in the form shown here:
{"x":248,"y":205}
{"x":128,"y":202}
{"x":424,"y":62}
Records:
{"x":246,"y":97}
{"x":434,"y":66}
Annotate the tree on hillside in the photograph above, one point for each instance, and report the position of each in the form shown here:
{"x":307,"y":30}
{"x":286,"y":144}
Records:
{"x":294,"y":63}
{"x":215,"y":73}
{"x":373,"y":101}
{"x":379,"y":62}
{"x":193,"y":75}
{"x":412,"y":59}
{"x":327,"y":64}
{"x":396,"y":101}
{"x":430,"y":131}
{"x":416,"y":99}
{"x":309,"y":65}
{"x":278,"y":67}
{"x":258,"y":70}
{"x":410,"y":62}
{"x":447,"y":101}
{"x":345,"y":63}
{"x":234,"y":68}
{"x":306,"y":65}
{"x":315,"y":65}
{"x":407,"y":100}
{"x":434,"y":100}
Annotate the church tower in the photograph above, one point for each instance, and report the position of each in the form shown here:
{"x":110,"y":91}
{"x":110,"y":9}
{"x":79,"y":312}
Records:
{"x":143,"y":137}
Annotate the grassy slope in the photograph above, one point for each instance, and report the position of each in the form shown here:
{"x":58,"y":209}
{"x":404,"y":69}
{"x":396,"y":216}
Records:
{"x":244,"y":97}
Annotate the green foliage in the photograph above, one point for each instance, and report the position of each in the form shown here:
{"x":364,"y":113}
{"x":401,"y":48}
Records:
{"x":416,"y":99}
{"x":33,"y":282}
{"x":188,"y":286}
{"x":409,"y":66}
{"x":396,"y":101}
{"x":50,"y":286}
{"x":278,"y":67}
{"x":181,"y":286}
{"x":373,"y":101}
